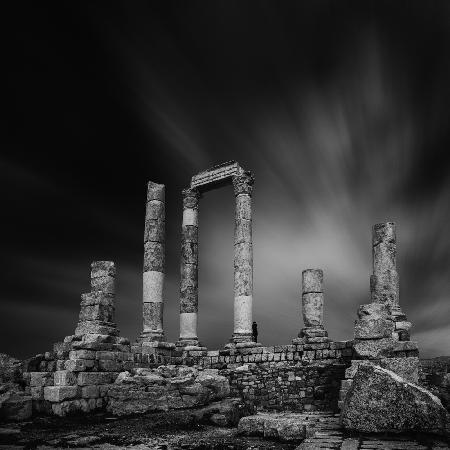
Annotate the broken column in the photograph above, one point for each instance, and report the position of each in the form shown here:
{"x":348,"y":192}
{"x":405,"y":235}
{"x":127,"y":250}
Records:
{"x":189,"y":269}
{"x":384,"y":284}
{"x":312,"y":305}
{"x":154,"y":260}
{"x":243,"y":258}
{"x":381,"y":330}
{"x":97,"y":306}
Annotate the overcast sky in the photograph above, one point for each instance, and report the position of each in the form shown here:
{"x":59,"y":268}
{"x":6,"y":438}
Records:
{"x":340,"y":109}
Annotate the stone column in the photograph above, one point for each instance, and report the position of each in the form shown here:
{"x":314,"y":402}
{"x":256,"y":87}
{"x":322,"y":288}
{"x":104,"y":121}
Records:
{"x":243,"y":258}
{"x":312,"y":305}
{"x":154,"y":259}
{"x":384,"y":283}
{"x":189,"y":269}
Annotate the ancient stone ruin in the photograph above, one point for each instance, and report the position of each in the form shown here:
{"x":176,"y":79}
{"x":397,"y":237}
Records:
{"x":95,"y":369}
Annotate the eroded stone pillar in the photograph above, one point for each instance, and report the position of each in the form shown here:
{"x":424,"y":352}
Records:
{"x":312,"y":306}
{"x":189,"y":269}
{"x":384,"y":283}
{"x":243,"y":258}
{"x":97,"y":306}
{"x":154,"y":261}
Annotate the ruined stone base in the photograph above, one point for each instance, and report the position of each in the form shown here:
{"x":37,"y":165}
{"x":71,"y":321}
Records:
{"x":188,"y":343}
{"x":238,"y":338}
{"x":152,"y":336}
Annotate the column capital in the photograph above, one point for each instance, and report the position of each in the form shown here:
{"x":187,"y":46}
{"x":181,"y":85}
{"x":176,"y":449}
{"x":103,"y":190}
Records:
{"x":243,"y":183}
{"x":191,"y":196}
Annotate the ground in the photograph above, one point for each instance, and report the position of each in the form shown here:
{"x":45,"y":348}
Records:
{"x":155,"y":431}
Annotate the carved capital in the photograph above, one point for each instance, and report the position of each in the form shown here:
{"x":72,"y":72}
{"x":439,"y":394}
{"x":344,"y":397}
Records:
{"x":191,"y":196}
{"x":243,"y":183}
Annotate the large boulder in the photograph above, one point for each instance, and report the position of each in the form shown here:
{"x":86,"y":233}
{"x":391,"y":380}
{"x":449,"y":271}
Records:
{"x":379,"y":400}
{"x":164,"y":389}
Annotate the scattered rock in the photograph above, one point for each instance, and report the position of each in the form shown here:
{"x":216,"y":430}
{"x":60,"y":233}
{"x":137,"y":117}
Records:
{"x":381,"y":401}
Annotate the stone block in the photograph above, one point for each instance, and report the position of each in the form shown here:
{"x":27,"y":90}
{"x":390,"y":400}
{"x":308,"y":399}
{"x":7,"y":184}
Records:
{"x":79,"y":365}
{"x":154,"y":256}
{"x":66,"y":407}
{"x":373,"y":349}
{"x":91,"y":391}
{"x":109,"y":365}
{"x":189,"y":252}
{"x":312,"y":280}
{"x":89,"y":378}
{"x":155,"y":210}
{"x":103,"y":284}
{"x":403,"y":326}
{"x":65,"y":378}
{"x":155,"y":191}
{"x":60,"y":393}
{"x":97,"y":298}
{"x":96,"y":327}
{"x":37,"y":393}
{"x":97,"y":312}
{"x":369,"y":328}
{"x":189,"y":233}
{"x":41,"y":379}
{"x":82,"y":354}
{"x":373,"y":310}
{"x":312,"y":309}
{"x":154,"y":230}
{"x":103,"y":269}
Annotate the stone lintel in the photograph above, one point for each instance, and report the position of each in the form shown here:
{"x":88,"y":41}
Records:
{"x":216,"y":176}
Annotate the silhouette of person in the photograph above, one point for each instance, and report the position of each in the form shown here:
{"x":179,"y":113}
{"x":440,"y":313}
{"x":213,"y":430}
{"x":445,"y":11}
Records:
{"x":255,"y":331}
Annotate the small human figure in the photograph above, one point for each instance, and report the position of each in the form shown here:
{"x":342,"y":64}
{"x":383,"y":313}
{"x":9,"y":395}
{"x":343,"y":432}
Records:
{"x":255,"y":331}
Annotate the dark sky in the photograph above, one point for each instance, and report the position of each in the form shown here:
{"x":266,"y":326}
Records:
{"x":340,"y":109}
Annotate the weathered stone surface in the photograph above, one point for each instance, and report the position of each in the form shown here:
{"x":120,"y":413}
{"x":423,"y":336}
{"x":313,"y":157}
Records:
{"x":97,"y":312}
{"x":97,"y":298}
{"x":65,"y":378}
{"x":41,"y":378}
{"x":154,"y":230}
{"x":165,"y":388}
{"x":60,"y":393}
{"x":384,"y":287}
{"x":103,"y":269}
{"x":96,"y":327}
{"x":243,"y":207}
{"x":312,"y":281}
{"x":242,"y":231}
{"x":243,"y":183}
{"x":189,"y":252}
{"x":381,"y":401}
{"x":312,"y":307}
{"x":189,"y":233}
{"x":383,"y":232}
{"x":374,"y":310}
{"x":373,"y":349}
{"x":153,"y":315}
{"x":191,"y":197}
{"x":10,"y":369}
{"x":154,"y":256}
{"x":369,"y":328}
{"x":407,"y":368}
{"x":155,"y":211}
{"x":243,"y":256}
{"x":189,"y":288}
{"x":104,"y":284}
{"x":88,"y":378}
{"x":243,"y":282}
{"x":155,"y":191}
{"x":15,"y":405}
{"x":217,"y":174}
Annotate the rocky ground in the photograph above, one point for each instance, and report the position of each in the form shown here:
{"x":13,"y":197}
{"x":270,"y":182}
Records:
{"x":160,"y":432}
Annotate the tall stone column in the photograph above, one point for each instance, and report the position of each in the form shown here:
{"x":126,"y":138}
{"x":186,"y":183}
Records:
{"x":243,"y":258}
{"x":384,"y":283}
{"x":154,"y":260}
{"x":189,"y":269}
